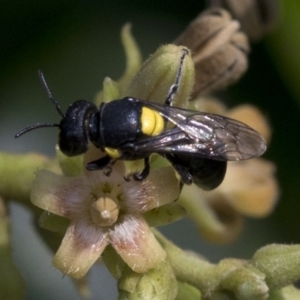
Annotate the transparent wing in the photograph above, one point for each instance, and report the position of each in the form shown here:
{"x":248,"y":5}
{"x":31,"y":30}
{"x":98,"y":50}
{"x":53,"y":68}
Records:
{"x":202,"y":134}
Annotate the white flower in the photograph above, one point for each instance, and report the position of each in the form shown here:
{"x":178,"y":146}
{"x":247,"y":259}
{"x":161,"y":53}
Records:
{"x":105,"y":210}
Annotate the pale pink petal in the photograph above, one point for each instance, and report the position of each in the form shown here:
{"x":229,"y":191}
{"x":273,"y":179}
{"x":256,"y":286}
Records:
{"x":136,"y":244}
{"x":98,"y":178}
{"x":159,"y":188}
{"x":58,"y":194}
{"x":82,"y":245}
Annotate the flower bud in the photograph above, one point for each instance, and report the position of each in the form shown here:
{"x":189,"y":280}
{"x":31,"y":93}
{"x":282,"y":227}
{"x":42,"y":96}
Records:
{"x":280,"y":264}
{"x":165,"y":214}
{"x":70,"y":166}
{"x":219,"y":50}
{"x":257,"y":191}
{"x":110,"y":90}
{"x":289,"y":293}
{"x":257,"y":17}
{"x":246,"y":284}
{"x":187,"y":291}
{"x":159,"y":73}
{"x":251,"y":116}
{"x":53,"y":222}
{"x":158,"y":283}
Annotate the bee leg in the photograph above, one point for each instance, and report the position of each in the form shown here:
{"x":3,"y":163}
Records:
{"x":98,"y":164}
{"x":186,"y":176}
{"x":108,"y":168}
{"x":144,"y":173}
{"x":174,"y":87}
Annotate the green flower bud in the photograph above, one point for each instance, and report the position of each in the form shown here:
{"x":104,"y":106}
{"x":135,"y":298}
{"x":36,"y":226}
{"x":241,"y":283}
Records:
{"x":113,"y":90}
{"x":250,"y":285}
{"x":246,"y":283}
{"x":159,"y":73}
{"x":288,"y":293}
{"x":70,"y":166}
{"x":165,"y":214}
{"x":187,"y":291}
{"x":133,"y":57}
{"x":53,"y":222}
{"x":110,"y":90}
{"x":158,"y":283}
{"x":280,"y":264}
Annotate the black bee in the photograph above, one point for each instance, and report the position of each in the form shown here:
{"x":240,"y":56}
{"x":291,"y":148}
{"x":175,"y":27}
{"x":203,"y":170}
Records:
{"x":197,"y":144}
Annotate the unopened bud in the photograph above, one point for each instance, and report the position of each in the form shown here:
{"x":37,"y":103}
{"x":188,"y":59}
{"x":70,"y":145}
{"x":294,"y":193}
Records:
{"x":219,"y":50}
{"x":257,"y":17}
{"x":159,"y":73}
{"x":158,"y":283}
{"x":280,"y":264}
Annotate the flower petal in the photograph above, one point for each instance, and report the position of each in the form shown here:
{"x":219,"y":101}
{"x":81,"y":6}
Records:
{"x":81,"y":247}
{"x":136,"y":244}
{"x":251,"y":116}
{"x":59,"y":194}
{"x":250,"y":187}
{"x":160,"y":187}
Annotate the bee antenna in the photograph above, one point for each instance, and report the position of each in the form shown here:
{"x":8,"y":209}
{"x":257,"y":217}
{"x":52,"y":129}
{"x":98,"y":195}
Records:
{"x":35,"y":126}
{"x":50,"y":96}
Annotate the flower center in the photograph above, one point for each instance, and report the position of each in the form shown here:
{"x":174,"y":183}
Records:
{"x":104,"y":211}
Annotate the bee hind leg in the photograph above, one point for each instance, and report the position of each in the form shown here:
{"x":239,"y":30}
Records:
{"x":185,"y":175}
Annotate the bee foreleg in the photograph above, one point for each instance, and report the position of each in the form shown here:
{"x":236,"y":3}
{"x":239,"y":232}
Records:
{"x":98,"y":164}
{"x":144,"y":173}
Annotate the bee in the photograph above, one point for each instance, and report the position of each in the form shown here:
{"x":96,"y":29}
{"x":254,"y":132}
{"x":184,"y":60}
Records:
{"x":197,"y":144}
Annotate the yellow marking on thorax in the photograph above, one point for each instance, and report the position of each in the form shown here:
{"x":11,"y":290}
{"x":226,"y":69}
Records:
{"x":152,"y":122}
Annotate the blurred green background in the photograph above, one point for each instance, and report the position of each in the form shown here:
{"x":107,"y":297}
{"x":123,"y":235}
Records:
{"x":77,"y":44}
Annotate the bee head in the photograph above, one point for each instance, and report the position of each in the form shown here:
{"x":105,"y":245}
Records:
{"x":74,"y":126}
